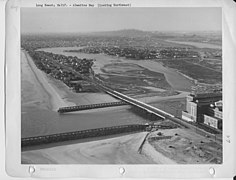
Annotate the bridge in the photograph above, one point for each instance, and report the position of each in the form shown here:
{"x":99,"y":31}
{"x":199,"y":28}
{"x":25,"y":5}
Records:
{"x":151,"y":110}
{"x":148,"y":109}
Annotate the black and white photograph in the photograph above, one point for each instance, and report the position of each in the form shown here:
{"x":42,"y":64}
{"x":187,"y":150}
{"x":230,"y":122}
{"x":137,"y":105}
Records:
{"x":121,"y":85}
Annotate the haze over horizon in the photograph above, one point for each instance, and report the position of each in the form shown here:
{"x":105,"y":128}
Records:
{"x":84,"y":20}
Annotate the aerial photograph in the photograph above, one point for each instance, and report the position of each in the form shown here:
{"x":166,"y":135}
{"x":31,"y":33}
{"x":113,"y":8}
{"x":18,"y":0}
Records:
{"x":121,"y":85}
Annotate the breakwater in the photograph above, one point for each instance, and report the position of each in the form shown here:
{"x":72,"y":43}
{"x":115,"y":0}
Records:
{"x":90,"y":106}
{"x":60,"y":137}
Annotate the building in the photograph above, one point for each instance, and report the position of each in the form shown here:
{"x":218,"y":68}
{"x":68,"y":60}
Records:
{"x":214,"y":115}
{"x":204,"y":108}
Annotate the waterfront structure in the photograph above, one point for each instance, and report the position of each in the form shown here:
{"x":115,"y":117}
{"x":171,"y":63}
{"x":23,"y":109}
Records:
{"x":214,"y":116}
{"x":204,"y":108}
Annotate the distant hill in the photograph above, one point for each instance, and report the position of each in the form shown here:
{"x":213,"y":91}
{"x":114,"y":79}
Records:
{"x":124,"y":33}
{"x":137,"y":33}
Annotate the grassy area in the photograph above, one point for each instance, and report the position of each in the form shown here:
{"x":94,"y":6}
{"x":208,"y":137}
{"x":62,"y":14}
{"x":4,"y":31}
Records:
{"x":133,"y":78}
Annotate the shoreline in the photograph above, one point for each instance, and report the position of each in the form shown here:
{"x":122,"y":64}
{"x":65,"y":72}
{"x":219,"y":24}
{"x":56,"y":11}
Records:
{"x":55,"y":98}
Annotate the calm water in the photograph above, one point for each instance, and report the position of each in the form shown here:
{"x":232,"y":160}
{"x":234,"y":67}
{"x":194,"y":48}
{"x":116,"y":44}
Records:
{"x":37,"y":121}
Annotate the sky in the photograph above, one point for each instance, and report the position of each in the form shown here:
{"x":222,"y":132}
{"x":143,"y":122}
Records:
{"x":72,"y":20}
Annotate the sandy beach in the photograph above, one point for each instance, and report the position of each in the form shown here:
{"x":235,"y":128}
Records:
{"x":46,"y":92}
{"x":54,"y":93}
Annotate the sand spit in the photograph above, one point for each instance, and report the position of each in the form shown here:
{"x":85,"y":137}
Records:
{"x":55,"y":99}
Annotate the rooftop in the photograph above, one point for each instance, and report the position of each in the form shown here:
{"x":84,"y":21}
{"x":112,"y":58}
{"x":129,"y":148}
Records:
{"x":206,"y":95}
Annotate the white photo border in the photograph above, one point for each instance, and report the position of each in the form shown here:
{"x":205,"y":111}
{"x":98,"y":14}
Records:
{"x":13,"y":103}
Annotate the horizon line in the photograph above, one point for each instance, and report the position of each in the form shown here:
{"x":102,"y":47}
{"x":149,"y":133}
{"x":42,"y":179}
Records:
{"x":102,"y":31}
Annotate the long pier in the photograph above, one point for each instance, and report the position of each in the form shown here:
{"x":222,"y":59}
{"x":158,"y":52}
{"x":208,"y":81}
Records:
{"x":90,"y":106}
